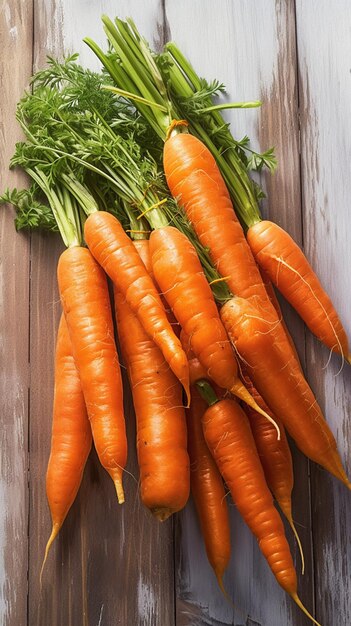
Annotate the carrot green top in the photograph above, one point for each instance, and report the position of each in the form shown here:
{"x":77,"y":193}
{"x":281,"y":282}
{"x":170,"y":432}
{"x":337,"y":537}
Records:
{"x":165,"y":87}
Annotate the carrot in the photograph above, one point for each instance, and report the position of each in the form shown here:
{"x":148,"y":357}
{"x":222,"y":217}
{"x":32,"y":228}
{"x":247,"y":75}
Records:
{"x":179,"y":274}
{"x":290,"y":397}
{"x":208,"y":491}
{"x":115,"y":252}
{"x":275,"y":457}
{"x":70,"y":439}
{"x":195,"y":180}
{"x":229,"y":438}
{"x":86,"y":304}
{"x":160,"y":416}
{"x":289,"y":270}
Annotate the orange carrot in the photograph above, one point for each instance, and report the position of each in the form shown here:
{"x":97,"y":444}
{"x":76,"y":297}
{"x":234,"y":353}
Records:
{"x":274,"y":300}
{"x":86,"y":304}
{"x":143,"y":248}
{"x":70,"y":439}
{"x":289,"y":270}
{"x":290,"y":397}
{"x":195,"y":180}
{"x":229,"y":438}
{"x":179,"y":274}
{"x":275,"y":457}
{"x":208,"y":491}
{"x":161,"y":426}
{"x":115,"y":252}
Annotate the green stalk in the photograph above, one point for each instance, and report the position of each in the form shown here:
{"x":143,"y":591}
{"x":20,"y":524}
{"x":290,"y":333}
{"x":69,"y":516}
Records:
{"x":63,"y":208}
{"x":207,"y":392}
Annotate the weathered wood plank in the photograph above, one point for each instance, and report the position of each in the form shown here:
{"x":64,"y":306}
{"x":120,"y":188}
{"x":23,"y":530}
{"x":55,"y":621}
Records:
{"x":110,"y":564}
{"x":15,"y":70}
{"x":251,"y":48}
{"x":325,"y":94}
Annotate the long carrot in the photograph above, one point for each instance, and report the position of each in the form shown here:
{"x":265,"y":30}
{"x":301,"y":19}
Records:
{"x":178,"y":272}
{"x":275,"y":457}
{"x":208,"y":491}
{"x":161,"y":426}
{"x":115,"y":252}
{"x":195,"y":180}
{"x":229,"y":438}
{"x":287,"y":267}
{"x":290,"y":397}
{"x":70,"y":439}
{"x":86,"y":304}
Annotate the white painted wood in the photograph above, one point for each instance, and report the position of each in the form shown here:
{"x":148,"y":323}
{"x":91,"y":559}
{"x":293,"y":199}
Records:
{"x":15,"y":68}
{"x":70,"y":22}
{"x":324,"y":45}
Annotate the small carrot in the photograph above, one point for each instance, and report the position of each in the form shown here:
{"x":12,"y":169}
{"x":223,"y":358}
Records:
{"x":289,"y":397}
{"x":179,"y":274}
{"x":161,"y":426}
{"x":86,"y":304}
{"x":208,"y":491}
{"x":115,"y":252}
{"x":229,"y":438}
{"x":70,"y":438}
{"x":289,"y":270}
{"x":275,"y":457}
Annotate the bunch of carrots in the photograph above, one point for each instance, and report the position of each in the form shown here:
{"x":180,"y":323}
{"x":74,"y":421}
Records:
{"x":139,"y":173}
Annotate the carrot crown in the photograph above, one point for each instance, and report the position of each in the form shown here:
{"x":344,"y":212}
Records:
{"x":165,"y":87}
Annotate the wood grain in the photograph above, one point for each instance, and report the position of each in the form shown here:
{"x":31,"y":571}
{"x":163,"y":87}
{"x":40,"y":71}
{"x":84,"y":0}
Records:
{"x":15,"y":70}
{"x":325,"y":95}
{"x":254,"y":54}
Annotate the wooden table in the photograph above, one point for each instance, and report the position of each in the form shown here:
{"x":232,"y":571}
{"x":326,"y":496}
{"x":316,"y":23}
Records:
{"x":116,"y":565}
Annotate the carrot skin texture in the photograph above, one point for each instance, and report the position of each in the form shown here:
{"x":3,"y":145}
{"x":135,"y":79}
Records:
{"x":274,"y":454}
{"x":274,"y":300}
{"x":292,"y":399}
{"x":116,"y":253}
{"x":86,"y":304}
{"x":143,"y":248}
{"x":229,"y":438}
{"x":71,"y":434}
{"x":289,"y":270}
{"x":160,"y":416}
{"x":208,"y":491}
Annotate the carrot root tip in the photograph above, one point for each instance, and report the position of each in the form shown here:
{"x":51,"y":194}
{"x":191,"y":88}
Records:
{"x":299,"y":544}
{"x":240,"y":391}
{"x":119,"y":491}
{"x":54,"y":532}
{"x":296,"y":599}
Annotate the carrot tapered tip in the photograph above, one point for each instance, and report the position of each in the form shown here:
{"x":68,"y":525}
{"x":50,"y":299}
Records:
{"x":296,"y":599}
{"x":239,"y":390}
{"x":119,"y":490}
{"x":293,"y":528}
{"x":54,"y":532}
